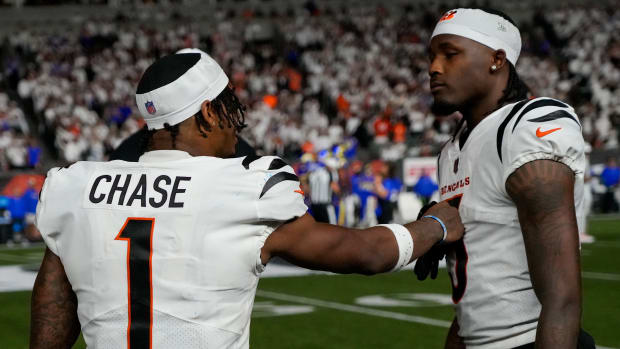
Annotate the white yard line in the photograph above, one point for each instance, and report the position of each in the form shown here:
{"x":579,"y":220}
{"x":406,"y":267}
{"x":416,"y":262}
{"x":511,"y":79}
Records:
{"x":15,"y":278}
{"x":352,"y":308}
{"x":601,"y":276}
{"x":612,"y":244}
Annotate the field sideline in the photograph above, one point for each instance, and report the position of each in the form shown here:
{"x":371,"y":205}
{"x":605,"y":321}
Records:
{"x":351,"y":311}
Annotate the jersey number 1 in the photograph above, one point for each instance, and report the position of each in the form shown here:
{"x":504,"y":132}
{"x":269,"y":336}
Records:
{"x":138,"y":232}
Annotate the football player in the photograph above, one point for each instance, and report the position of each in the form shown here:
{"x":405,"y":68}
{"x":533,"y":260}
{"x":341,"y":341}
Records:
{"x":166,"y":252}
{"x":515,"y":170}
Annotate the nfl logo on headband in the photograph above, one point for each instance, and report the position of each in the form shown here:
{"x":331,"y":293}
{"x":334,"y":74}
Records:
{"x":180,"y":83}
{"x":150,"y":107}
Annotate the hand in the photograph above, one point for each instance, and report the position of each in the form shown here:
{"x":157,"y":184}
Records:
{"x":450,"y":217}
{"x":429,"y":263}
{"x":425,"y":208}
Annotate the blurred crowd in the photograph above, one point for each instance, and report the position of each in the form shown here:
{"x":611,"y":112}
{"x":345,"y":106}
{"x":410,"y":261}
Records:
{"x":18,"y":149}
{"x":313,"y":80}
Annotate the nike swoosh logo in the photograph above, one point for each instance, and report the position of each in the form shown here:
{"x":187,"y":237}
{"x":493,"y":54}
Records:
{"x":541,"y":134}
{"x":300,"y":192}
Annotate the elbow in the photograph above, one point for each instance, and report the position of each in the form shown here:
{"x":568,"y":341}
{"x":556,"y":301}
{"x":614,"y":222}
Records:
{"x":567,"y":303}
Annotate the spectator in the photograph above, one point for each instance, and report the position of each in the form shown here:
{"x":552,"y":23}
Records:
{"x":6,"y":230}
{"x":387,"y":187}
{"x":610,"y":178}
{"x":425,"y":188}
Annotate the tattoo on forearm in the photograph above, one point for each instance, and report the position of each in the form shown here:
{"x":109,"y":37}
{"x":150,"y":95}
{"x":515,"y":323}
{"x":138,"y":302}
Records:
{"x":54,"y":322}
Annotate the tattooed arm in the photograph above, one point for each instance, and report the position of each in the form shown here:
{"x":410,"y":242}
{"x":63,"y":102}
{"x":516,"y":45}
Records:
{"x":543,"y":193}
{"x":54,"y":322}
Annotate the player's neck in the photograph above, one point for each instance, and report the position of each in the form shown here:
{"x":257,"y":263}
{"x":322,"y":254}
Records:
{"x":182,"y":145}
{"x":486,"y":105}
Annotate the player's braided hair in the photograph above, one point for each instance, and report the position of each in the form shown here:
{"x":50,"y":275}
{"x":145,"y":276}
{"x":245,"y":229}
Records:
{"x":515,"y":90}
{"x":228,"y":109}
{"x":230,"y":112}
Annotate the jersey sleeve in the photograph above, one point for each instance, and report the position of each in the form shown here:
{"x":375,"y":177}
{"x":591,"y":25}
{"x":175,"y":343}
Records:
{"x":48,"y":217}
{"x":280,"y":197}
{"x":544,"y":129}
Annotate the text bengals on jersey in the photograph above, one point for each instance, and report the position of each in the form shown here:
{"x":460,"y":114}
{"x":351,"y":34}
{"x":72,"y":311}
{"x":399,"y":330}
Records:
{"x":454,"y":186}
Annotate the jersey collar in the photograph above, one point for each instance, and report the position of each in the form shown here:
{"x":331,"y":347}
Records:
{"x":164,"y":155}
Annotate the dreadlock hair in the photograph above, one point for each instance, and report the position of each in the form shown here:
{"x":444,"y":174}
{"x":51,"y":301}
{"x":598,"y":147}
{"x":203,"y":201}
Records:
{"x":229,"y":109}
{"x":516,"y":89}
{"x":230,"y":112}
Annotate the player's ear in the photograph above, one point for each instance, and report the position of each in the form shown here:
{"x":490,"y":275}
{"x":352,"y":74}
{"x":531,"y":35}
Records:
{"x":498,"y":60}
{"x":208,"y":113}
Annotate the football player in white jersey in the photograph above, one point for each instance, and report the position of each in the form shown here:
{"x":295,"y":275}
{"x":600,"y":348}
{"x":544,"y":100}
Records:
{"x":515,"y":170}
{"x":166,"y":252}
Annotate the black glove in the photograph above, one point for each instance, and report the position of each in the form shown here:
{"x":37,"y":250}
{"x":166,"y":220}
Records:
{"x":585,"y":340}
{"x":429,"y":263}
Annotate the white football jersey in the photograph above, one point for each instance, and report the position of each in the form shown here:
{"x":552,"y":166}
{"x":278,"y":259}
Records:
{"x":166,"y":249}
{"x":496,"y":306}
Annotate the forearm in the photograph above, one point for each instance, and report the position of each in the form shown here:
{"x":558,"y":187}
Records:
{"x":365,"y":251}
{"x":558,"y":325}
{"x":54,"y":322}
{"x":321,"y":246}
{"x":556,"y":280}
{"x":557,"y":284}
{"x":344,"y":250}
{"x":425,"y":232}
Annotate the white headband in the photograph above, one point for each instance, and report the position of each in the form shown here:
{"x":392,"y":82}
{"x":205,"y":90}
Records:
{"x":488,"y":29}
{"x":183,"y":97}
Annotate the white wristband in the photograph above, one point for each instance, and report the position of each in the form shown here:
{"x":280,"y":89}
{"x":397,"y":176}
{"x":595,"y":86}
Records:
{"x":405,"y":244}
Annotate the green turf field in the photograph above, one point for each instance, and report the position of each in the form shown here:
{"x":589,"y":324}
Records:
{"x":328,"y":311}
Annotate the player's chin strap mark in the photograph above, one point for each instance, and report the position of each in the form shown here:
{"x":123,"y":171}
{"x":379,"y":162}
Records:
{"x":558,"y":114}
{"x":538,"y":104}
{"x":277,"y":178}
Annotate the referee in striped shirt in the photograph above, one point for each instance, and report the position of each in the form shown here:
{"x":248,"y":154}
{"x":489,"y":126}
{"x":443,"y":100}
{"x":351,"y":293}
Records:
{"x":323,"y":182}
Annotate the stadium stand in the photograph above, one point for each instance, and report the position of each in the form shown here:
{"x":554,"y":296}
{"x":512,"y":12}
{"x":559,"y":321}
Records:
{"x":320,"y":78}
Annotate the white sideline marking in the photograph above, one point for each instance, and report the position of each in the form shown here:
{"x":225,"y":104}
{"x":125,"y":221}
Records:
{"x":601,"y":276}
{"x":353,"y":308}
{"x":615,"y":244}
{"x":15,"y":278}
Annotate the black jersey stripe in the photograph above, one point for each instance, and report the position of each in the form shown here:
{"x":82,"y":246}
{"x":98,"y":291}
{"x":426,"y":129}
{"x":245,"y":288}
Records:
{"x":277,"y":178}
{"x":502,"y":126}
{"x":277,"y":164}
{"x":558,"y":114}
{"x":538,"y":104}
{"x":248,"y":160}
